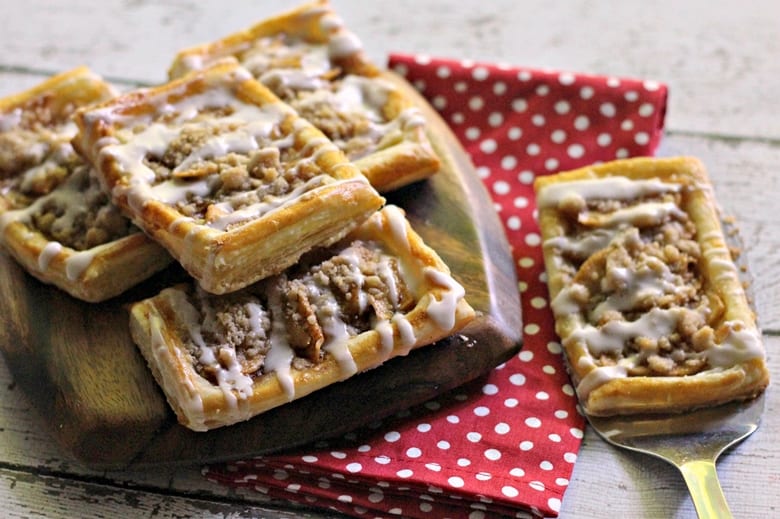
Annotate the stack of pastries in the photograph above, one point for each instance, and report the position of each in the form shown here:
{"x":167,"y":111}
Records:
{"x":259,"y":168}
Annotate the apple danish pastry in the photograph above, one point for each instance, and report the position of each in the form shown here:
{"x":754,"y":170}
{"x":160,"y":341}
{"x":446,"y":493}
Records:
{"x":374,"y":295}
{"x":647,"y":300}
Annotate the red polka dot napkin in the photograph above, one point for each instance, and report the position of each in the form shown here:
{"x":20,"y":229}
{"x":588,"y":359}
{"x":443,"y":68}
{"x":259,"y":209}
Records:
{"x":506,"y":443}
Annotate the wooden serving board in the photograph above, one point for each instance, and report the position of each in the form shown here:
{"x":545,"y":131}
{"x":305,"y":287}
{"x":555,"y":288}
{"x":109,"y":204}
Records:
{"x":79,"y":367}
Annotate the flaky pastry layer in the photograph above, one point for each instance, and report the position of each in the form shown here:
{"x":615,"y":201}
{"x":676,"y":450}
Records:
{"x":224,"y":175}
{"x":377,"y":294}
{"x":54,"y":218}
{"x":646,"y":295}
{"x":310,"y":60}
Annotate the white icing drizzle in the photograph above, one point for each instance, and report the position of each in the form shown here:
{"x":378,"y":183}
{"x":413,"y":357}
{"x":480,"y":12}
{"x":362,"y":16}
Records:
{"x":618,"y":188}
{"x":740,"y":345}
{"x":444,"y":311}
{"x":598,"y":377}
{"x":651,"y":213}
{"x":406,"y":333}
{"x":582,"y":246}
{"x":78,"y":262}
{"x":50,"y":250}
{"x":395,"y":222}
{"x":385,"y":330}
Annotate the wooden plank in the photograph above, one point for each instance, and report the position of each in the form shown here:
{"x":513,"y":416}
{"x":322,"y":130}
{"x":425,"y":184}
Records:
{"x":717,"y":87}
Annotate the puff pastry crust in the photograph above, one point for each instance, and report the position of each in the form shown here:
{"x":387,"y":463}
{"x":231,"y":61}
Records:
{"x":56,"y":221}
{"x":646,"y":295}
{"x":310,"y":60}
{"x":377,"y":294}
{"x":223,"y":174}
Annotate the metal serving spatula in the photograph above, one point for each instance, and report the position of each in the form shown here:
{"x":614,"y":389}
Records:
{"x":692,"y":442}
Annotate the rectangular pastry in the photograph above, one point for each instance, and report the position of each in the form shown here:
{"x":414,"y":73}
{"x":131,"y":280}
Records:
{"x":222,"y":359}
{"x":55,"y":220}
{"x":224,"y":175}
{"x":646,"y":296}
{"x":310,"y":60}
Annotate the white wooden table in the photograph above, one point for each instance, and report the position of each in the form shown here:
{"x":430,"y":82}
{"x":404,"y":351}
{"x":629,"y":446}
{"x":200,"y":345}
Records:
{"x":720,"y":62}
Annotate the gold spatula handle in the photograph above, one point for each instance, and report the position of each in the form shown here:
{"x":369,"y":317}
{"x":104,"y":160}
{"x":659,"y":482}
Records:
{"x":702,"y":480}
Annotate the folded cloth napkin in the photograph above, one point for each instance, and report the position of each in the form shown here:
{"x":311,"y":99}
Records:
{"x":504,"y":444}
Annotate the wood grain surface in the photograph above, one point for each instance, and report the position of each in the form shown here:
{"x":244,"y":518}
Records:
{"x":80,"y":368}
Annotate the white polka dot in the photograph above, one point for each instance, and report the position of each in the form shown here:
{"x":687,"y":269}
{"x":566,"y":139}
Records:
{"x":473,"y":437}
{"x":521,"y":202}
{"x":344,"y":498}
{"x":538,"y":120}
{"x":510,"y":491}
{"x":533,"y":422}
{"x":483,"y":476}
{"x":646,"y":109}
{"x":511,"y":402}
{"x":434,"y":467}
{"x":568,"y":390}
{"x":392,"y":436}
{"x":561,"y":413}
{"x":443,"y":71}
{"x":651,"y":85}
{"x":518,"y":379}
{"x":627,"y":125}
{"x":519,"y":105}
{"x":472,"y":133}
{"x":476,"y":103}
{"x":604,"y":139}
{"x":562,"y":107}
{"x":586,"y":92}
{"x":419,"y":84}
{"x":631,"y":95}
{"x":493,"y":454}
{"x":551,"y":164}
{"x":517,"y":472}
{"x":310,"y":459}
{"x":550,"y":370}
{"x":526,"y":262}
{"x":538,"y":302}
{"x":453,"y":419}
{"x":526,"y":177}
{"x":554,"y":347}
{"x":382,"y":460}
{"x":463,"y":462}
{"x":488,"y":146}
{"x":542,"y":395}
{"x":426,"y":507}
{"x":422,"y":59}
{"x":613,"y":82}
{"x":641,"y":138}
{"x":461,"y":86}
{"x":455,"y":481}
{"x":566,"y":78}
{"x":405,"y":473}
{"x":457,"y":118}
{"x":502,"y":428}
{"x":501,"y":187}
{"x":546,"y":465}
{"x":354,"y":467}
{"x":514,"y":223}
{"x":533,"y":239}
{"x":293,"y":487}
{"x":401,"y":69}
{"x":575,"y":151}
{"x":483,"y":172}
{"x":554,"y":503}
{"x":413,"y":452}
{"x":514,"y":133}
{"x":443,"y":445}
{"x":561,"y":482}
{"x":542,"y":90}
{"x":364,"y":448}
{"x":558,"y":136}
{"x":622,"y":153}
{"x":480,"y":73}
{"x":555,"y":438}
{"x":607,"y":109}
{"x":339,"y":455}
{"x":526,"y":445}
{"x":439,"y":102}
{"x":489,"y":389}
{"x":499,"y":88}
{"x":376,"y":497}
{"x":537,"y":485}
{"x":531,"y":329}
{"x":576,"y":432}
{"x":533,"y":149}
{"x":495,"y":119}
{"x":467,"y":63}
{"x":526,"y":355}
{"x":395,"y":511}
{"x":570,"y":457}
{"x":424,"y":427}
{"x":481,"y":411}
{"x":581,"y":122}
{"x":524,"y":75}
{"x":281,"y":475}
